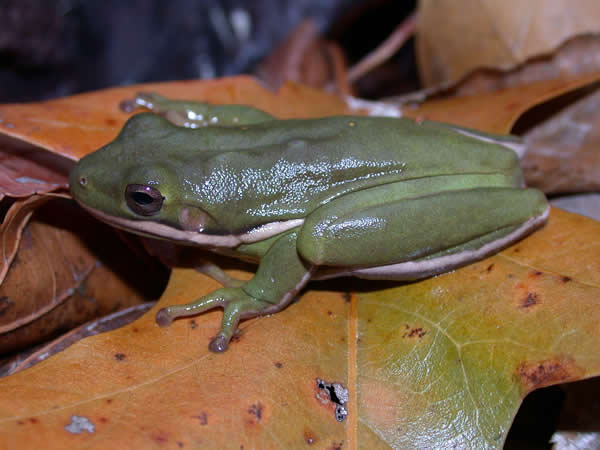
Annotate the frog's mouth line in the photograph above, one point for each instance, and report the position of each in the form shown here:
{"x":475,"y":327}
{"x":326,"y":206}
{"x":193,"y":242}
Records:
{"x":161,"y":231}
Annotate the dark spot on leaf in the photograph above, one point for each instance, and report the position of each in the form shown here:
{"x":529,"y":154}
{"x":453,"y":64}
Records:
{"x":347,"y":297}
{"x":20,"y":422}
{"x":329,"y":313}
{"x":256,"y":410}
{"x":135,"y":329}
{"x":530,"y":300}
{"x":337,"y":445}
{"x":535,"y":274}
{"x":5,"y":304}
{"x":179,"y":444}
{"x":120,"y":356}
{"x":108,"y":401}
{"x":565,"y":279}
{"x":111,"y":122}
{"x":537,"y":374}
{"x":278,"y":365}
{"x":510,"y":275}
{"x":34,"y":420}
{"x":490,"y":267}
{"x":159,"y":436}
{"x":517,"y":249}
{"x":193,"y":324}
{"x":202,"y":417}
{"x":102,"y":419}
{"x":416,"y":332}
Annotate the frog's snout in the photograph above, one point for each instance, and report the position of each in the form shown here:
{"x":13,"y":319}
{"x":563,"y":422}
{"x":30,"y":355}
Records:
{"x":77,"y":178}
{"x":78,"y":181}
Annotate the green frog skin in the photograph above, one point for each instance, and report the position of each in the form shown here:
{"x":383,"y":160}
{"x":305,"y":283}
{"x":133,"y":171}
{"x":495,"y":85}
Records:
{"x":377,"y":198}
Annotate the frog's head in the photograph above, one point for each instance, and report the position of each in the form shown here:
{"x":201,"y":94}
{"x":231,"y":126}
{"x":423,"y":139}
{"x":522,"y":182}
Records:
{"x":133,"y":183}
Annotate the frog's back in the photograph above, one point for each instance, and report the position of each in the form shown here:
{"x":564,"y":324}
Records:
{"x":285,"y":168}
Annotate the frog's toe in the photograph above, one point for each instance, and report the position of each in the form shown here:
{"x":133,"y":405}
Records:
{"x":163,"y":318}
{"x":239,"y":305}
{"x":219,"y":344}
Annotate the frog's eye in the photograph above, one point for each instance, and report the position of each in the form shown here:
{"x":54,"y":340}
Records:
{"x":143,"y":199}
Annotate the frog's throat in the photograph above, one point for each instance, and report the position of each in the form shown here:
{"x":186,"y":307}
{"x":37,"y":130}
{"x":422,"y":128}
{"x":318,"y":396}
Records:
{"x":158,"y":230}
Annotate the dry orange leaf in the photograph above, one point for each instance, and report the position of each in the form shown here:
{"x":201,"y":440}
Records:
{"x":443,"y":362}
{"x":75,"y":126}
{"x":496,"y":112}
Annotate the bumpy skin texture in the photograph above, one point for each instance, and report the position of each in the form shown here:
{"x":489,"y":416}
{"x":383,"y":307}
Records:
{"x":338,"y":195}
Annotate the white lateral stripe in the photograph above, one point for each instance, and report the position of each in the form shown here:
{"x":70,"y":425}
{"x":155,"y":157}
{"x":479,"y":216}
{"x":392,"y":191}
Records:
{"x":159,"y":230}
{"x":518,"y":147}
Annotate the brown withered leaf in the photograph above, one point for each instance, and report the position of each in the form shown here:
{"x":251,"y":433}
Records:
{"x":11,"y":230}
{"x":453,"y":39}
{"x":576,"y":57}
{"x":27,"y":170}
{"x":62,"y":275}
{"x":562,"y":152}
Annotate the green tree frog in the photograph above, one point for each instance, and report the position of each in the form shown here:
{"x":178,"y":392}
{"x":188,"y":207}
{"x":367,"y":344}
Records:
{"x":377,"y":198}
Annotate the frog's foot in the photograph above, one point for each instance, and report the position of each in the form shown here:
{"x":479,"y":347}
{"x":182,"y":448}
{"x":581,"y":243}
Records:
{"x":216,"y":273}
{"x":143,"y":100}
{"x":176,"y":111}
{"x":179,"y":112}
{"x":236,"y":304}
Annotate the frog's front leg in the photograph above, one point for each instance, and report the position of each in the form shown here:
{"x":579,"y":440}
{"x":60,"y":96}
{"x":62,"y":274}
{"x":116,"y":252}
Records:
{"x":280,"y":275}
{"x":216,"y":273}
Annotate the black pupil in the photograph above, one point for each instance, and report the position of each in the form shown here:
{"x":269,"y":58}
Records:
{"x":142,"y":198}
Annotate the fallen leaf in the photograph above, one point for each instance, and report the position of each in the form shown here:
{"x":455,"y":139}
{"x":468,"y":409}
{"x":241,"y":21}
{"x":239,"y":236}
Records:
{"x":453,"y":41}
{"x":456,"y":354}
{"x":101,"y":325}
{"x":562,"y":152}
{"x":496,"y":112}
{"x":27,"y":170}
{"x":576,"y":57}
{"x":431,"y":364}
{"x":62,"y":274}
{"x":92,"y":120}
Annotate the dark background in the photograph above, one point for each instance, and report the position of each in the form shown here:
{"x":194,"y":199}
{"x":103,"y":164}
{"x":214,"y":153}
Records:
{"x":54,"y":48}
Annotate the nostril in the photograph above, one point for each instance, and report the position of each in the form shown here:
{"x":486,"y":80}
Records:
{"x":83,"y":181}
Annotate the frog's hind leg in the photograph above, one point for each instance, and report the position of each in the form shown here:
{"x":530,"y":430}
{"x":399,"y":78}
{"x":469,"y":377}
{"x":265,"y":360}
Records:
{"x":387,"y":225}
